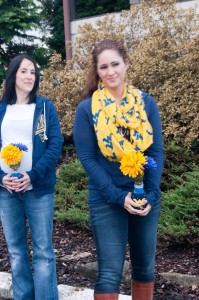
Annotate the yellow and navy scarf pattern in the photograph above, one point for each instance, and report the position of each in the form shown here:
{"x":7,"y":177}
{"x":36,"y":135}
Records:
{"x":109,"y":118}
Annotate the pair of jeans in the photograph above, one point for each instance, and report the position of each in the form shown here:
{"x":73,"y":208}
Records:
{"x":113,"y":227}
{"x":15,"y":210}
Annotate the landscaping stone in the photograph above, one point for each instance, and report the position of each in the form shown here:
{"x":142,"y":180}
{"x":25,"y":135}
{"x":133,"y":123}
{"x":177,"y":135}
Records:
{"x":181,"y":279}
{"x":5,"y":285}
{"x":74,"y":255}
{"x":71,"y":293}
{"x":89,"y":270}
{"x":66,"y":292}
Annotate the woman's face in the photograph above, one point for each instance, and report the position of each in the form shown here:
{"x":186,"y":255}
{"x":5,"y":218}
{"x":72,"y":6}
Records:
{"x":111,"y":69}
{"x":25,"y":76}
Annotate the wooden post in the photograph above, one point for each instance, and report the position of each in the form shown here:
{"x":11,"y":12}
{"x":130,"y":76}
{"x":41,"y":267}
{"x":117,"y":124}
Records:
{"x":67,"y":31}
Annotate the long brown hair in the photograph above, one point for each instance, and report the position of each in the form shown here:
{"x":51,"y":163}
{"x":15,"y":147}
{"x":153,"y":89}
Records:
{"x":93,"y":78}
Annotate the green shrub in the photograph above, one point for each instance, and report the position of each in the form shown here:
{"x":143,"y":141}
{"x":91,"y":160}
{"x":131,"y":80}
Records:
{"x":180,"y":210}
{"x":178,"y":161}
{"x":71,"y":193}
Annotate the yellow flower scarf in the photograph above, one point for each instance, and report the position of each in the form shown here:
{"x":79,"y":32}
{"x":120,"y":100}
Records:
{"x":109,"y":118}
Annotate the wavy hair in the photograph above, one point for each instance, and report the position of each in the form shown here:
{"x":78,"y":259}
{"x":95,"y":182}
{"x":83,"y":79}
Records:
{"x":93,"y":77}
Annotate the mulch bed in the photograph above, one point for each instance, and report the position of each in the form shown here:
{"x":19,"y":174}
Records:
{"x":179,"y":258}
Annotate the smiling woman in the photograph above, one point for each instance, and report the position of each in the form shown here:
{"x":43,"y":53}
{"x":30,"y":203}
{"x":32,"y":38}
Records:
{"x":111,"y":108}
{"x":28,"y":122}
{"x":111,"y":69}
{"x":25,"y":80}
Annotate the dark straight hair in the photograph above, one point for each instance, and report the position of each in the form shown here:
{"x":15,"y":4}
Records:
{"x":9,"y":92}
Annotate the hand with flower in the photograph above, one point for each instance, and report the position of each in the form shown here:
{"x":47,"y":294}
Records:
{"x":12,"y":155}
{"x":133,"y":165}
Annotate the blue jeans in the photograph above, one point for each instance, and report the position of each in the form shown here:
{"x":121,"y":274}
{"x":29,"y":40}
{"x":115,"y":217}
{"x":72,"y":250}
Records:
{"x":112,"y":228}
{"x":15,"y":209}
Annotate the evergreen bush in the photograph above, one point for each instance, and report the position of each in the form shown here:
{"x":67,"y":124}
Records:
{"x":179,"y":218}
{"x":177,"y":162}
{"x":71,"y":193}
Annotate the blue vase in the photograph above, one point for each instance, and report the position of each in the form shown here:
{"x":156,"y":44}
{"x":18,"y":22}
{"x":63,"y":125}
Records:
{"x":139,"y":192}
{"x":17,"y":174}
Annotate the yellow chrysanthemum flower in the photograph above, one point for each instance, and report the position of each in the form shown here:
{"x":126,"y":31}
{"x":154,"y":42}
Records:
{"x":12,"y":156}
{"x":132,"y":164}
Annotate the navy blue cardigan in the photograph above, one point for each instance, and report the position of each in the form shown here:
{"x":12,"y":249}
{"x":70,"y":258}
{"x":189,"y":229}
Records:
{"x":106,"y":182}
{"x":47,"y":145}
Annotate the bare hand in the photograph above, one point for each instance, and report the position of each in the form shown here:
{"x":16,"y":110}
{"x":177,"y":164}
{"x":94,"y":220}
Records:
{"x":21,"y":184}
{"x":135,"y":208}
{"x":7,"y":181}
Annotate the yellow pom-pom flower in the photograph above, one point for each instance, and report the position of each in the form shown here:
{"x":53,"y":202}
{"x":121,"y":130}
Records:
{"x":12,"y":156}
{"x":132,"y":164}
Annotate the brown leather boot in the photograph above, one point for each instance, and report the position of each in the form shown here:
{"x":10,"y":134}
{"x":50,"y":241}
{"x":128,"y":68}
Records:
{"x":110,"y":296}
{"x":142,"y":291}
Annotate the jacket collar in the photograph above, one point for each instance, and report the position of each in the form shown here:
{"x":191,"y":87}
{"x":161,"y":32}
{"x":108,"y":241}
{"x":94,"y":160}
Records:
{"x":3,"y":105}
{"x":39,"y":103}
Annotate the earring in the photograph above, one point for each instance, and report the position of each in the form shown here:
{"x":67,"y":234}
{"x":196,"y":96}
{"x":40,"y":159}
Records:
{"x":99,"y":84}
{"x":127,"y":81}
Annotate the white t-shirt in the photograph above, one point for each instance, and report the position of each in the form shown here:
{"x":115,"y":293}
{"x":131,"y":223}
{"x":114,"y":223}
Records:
{"x":17,"y":128}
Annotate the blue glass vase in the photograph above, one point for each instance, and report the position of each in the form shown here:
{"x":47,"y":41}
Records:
{"x":138,"y":191}
{"x":17,"y":174}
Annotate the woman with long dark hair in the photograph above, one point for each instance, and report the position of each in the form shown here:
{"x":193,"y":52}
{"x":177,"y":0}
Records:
{"x":29,"y":124}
